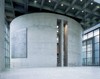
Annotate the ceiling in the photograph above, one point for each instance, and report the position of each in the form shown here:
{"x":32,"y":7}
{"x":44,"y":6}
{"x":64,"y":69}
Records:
{"x":86,"y":12}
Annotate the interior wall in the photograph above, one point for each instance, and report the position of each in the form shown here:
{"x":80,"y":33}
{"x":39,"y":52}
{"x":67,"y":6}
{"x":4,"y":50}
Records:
{"x":42,"y":40}
{"x":2,"y":53}
{"x":74,"y":43}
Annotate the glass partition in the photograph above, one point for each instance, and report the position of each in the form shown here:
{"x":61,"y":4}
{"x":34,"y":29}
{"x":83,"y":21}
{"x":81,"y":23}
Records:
{"x":91,"y":48}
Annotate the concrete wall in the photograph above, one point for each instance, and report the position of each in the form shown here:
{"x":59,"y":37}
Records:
{"x":74,"y":43}
{"x":2,"y":53}
{"x":41,"y":40}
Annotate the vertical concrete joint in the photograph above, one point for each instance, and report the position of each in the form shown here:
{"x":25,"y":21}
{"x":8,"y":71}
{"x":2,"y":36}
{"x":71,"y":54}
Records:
{"x":61,"y":43}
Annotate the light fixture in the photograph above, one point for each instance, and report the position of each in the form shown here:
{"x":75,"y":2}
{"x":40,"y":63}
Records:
{"x":82,"y":11}
{"x":35,"y":1}
{"x":91,"y":3}
{"x":62,"y":4}
{"x":57,"y":39}
{"x":49,"y":0}
{"x":81,"y":0}
{"x":57,"y":31}
{"x":57,"y":26}
{"x":73,"y":8}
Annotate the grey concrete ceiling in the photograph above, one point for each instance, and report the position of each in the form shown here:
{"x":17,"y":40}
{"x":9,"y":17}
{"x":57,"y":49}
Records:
{"x":86,"y":12}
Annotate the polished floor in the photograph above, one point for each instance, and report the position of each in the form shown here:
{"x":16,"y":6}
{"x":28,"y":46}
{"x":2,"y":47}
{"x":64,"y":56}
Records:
{"x":52,"y":73}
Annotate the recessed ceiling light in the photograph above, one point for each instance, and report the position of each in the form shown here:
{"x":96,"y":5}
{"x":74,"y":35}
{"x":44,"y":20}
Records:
{"x":82,"y":11}
{"x":91,"y":3}
{"x":49,"y":0}
{"x":62,"y":4}
{"x":57,"y":39}
{"x":81,"y":0}
{"x":57,"y":26}
{"x":35,"y":1}
{"x":73,"y":8}
{"x":57,"y":31}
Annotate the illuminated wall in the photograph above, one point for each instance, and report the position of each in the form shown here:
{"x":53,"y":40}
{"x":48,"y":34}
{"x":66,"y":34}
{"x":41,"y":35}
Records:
{"x":42,"y":40}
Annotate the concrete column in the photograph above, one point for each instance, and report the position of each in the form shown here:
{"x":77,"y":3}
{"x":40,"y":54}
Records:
{"x":2,"y":53}
{"x":61,"y":43}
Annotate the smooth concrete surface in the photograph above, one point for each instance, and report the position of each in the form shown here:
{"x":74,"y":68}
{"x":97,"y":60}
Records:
{"x":53,"y":73}
{"x":42,"y":40}
{"x":74,"y":43}
{"x":2,"y":35}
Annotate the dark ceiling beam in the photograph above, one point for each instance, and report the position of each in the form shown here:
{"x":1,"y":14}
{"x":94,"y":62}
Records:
{"x":86,"y":19}
{"x":77,"y":12}
{"x":95,"y":9}
{"x":26,"y":5}
{"x":94,"y":23}
{"x":87,"y":3}
{"x":99,"y":21}
{"x":87,"y":12}
{"x":9,"y":14}
{"x":93,"y":13}
{"x":65,"y":3}
{"x":94,"y":18}
{"x":8,"y":6}
{"x":9,"y":20}
{"x":20,"y":10}
{"x":42,"y":3}
{"x":87,"y":26}
{"x":67,"y":9}
{"x":79,"y":17}
{"x":56,"y":5}
{"x":84,"y":7}
{"x":9,"y":11}
{"x":86,"y":15}
{"x":70,"y":6}
{"x":19,"y":1}
{"x":58,"y":11}
{"x":34,"y":5}
{"x":12,"y":8}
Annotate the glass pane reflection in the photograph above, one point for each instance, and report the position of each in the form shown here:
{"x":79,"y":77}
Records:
{"x":96,"y":32}
{"x":91,"y":47}
{"x":96,"y":61}
{"x":90,"y":34}
{"x":89,"y":61}
{"x":85,"y":37}
{"x":97,"y":46}
{"x":96,"y":39}
{"x":97,"y":53}
{"x":89,"y":55}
